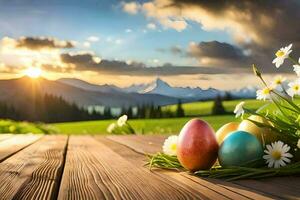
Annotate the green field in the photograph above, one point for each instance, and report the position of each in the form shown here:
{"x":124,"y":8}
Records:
{"x":147,"y":126}
{"x":204,"y":108}
{"x":162,"y":126}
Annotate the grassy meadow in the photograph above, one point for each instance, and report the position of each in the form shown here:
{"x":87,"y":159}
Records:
{"x":146,"y":126}
{"x":200,"y":110}
{"x":162,"y":126}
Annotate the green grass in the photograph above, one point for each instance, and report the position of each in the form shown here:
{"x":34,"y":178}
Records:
{"x":10,"y":126}
{"x":165,"y":125}
{"x":204,"y":108}
{"x":146,"y":126}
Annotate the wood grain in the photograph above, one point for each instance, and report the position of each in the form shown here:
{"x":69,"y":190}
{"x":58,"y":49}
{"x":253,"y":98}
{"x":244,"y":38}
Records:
{"x":217,"y":190}
{"x":230,"y":190}
{"x":11,"y":145}
{"x":169,"y":176}
{"x":34,"y":172}
{"x":94,"y":171}
{"x":281,"y":191}
{"x":149,"y":144}
{"x":5,"y":136}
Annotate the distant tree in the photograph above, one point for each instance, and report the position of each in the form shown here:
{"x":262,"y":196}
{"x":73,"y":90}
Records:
{"x":227,"y":96}
{"x":179,"y":110}
{"x":142,"y":111}
{"x":107,"y":113}
{"x":218,"y":108}
{"x":129,"y":112}
{"x":159,"y":112}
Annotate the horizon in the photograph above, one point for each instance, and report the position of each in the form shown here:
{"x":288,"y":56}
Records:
{"x":186,"y":43}
{"x":36,"y":79}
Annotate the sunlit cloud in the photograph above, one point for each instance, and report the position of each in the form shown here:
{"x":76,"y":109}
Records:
{"x":36,"y":43}
{"x":258,"y":28}
{"x":131,"y":7}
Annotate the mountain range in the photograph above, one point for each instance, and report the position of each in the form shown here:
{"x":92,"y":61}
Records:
{"x":158,"y":86}
{"x":19,"y":92}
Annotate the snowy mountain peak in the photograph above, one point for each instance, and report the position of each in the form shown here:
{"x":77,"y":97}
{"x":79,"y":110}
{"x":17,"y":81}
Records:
{"x":160,"y":82}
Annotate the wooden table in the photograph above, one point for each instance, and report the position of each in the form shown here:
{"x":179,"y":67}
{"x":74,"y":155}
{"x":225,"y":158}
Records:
{"x":98,"y":167}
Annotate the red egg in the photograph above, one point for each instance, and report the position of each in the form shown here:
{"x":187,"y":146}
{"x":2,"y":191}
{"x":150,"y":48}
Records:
{"x":197,"y":145}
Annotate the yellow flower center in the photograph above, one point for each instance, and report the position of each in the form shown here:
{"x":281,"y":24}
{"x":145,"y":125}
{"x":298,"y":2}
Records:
{"x":279,"y":53}
{"x":278,"y":81}
{"x":276,"y":155}
{"x":266,"y":91}
{"x":296,"y":87}
{"x":173,"y":147}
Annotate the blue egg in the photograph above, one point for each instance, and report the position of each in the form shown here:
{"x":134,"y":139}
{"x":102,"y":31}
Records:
{"x":239,"y":148}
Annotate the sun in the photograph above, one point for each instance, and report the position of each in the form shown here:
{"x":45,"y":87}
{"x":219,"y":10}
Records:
{"x":33,"y":72}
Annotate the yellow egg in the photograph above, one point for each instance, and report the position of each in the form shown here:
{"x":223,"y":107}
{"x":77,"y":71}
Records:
{"x":225,"y":130}
{"x":264,"y":134}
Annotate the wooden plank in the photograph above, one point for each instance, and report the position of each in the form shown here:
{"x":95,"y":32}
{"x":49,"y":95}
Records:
{"x":34,"y":172}
{"x":16,"y":143}
{"x":94,"y":171}
{"x":281,"y":191}
{"x":137,"y":144}
{"x":149,"y":144}
{"x":5,"y":136}
{"x":215,"y":190}
{"x":140,"y":159}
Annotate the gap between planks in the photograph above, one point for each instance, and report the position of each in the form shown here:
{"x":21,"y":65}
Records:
{"x":15,"y":143}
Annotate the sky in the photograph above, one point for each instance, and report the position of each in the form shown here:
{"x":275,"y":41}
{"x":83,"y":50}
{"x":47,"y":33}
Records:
{"x":185,"y":42}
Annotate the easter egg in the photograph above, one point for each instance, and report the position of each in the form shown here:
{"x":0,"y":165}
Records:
{"x":263,"y":134}
{"x":225,"y":130}
{"x":239,"y":148}
{"x":197,"y":145}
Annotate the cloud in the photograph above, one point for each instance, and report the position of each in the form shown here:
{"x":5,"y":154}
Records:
{"x":131,"y":7}
{"x":216,"y":53}
{"x":245,"y":20}
{"x":87,"y":61}
{"x":93,"y":39}
{"x":37,"y":43}
{"x":128,"y":30}
{"x":177,"y":50}
{"x":259,"y":28}
{"x":151,"y":26}
{"x":86,"y":44}
{"x":26,"y":52}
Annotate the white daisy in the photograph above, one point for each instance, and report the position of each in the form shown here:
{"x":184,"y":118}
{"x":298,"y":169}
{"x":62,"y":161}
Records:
{"x":239,"y":110}
{"x":294,"y":88}
{"x":281,"y":55}
{"x":263,"y":94}
{"x":298,"y":144}
{"x":111,"y":128}
{"x":170,"y":145}
{"x":277,"y":155}
{"x":297,"y":68}
{"x":122,"y":120}
{"x":278,"y":81}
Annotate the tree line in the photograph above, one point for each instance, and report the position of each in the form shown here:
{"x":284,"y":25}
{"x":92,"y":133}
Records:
{"x":48,"y":108}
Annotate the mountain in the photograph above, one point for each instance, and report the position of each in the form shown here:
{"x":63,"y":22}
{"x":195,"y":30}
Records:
{"x":244,"y":93}
{"x":161,"y":87}
{"x":136,"y":88}
{"x":88,"y":86}
{"x":19,"y":92}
